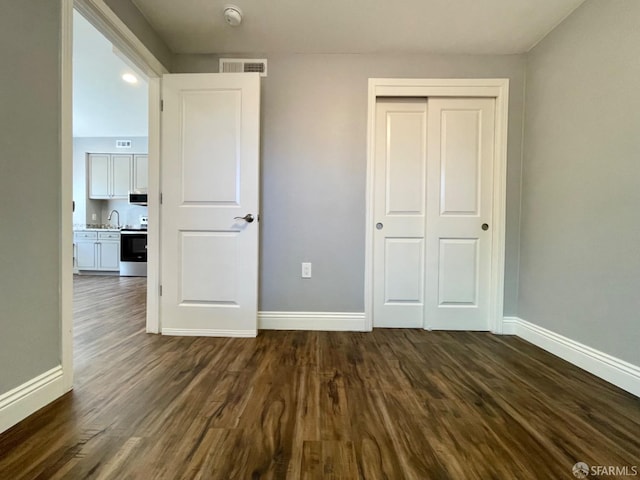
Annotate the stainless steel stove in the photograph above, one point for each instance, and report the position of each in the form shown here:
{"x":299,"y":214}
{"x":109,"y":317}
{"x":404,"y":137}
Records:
{"x":133,"y":249}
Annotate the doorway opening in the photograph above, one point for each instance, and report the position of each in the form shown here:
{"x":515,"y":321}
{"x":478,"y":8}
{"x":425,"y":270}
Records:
{"x":110,"y":162}
{"x":123,"y":163}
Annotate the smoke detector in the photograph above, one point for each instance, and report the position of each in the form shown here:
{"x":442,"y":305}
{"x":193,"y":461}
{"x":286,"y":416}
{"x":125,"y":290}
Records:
{"x":232,"y":15}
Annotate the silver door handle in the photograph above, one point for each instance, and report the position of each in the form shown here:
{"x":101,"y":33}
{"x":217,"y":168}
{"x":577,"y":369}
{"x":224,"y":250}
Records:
{"x":247,"y":218}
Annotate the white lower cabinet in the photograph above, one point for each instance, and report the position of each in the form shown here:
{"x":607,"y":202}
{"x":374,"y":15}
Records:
{"x":86,"y":250}
{"x":97,"y":250}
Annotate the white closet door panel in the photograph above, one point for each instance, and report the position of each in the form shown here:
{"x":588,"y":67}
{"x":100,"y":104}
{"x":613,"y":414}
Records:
{"x":459,"y":203}
{"x":400,"y":183}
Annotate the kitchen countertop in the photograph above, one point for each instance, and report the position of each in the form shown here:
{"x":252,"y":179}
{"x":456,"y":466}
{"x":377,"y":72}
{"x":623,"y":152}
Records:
{"x":96,"y":228}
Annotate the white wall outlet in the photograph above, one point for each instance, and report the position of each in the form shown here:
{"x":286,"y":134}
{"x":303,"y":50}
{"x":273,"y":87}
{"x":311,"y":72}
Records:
{"x":306,"y":270}
{"x":94,"y":217}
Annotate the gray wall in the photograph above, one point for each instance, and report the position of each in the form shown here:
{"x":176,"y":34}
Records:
{"x":138,"y":24}
{"x":580,"y":251}
{"x":314,"y":130}
{"x":29,"y":190}
{"x":86,"y":207}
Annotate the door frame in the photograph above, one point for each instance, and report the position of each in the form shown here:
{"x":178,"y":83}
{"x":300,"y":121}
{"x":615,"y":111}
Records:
{"x":497,"y":88}
{"x":109,"y":24}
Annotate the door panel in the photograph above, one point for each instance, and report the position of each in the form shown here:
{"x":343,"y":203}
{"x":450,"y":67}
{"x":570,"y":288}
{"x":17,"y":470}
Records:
{"x":405,"y":166}
{"x":459,"y":202}
{"x":459,"y":152}
{"x":204,"y":254}
{"x":399,"y":208}
{"x":210,"y":161}
{"x":458,"y":272}
{"x":404,"y":270}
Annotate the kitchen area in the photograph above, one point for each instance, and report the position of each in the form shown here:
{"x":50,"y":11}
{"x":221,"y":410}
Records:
{"x":112,"y":239}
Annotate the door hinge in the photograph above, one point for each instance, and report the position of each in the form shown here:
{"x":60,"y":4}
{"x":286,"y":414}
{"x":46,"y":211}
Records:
{"x":162,"y":105}
{"x":160,"y":290}
{"x":161,"y":198}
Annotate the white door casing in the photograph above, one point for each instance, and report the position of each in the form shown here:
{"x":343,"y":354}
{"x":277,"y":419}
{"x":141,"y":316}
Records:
{"x":498,"y":91}
{"x":400,"y":185}
{"x":210,"y":176}
{"x":459,"y":205}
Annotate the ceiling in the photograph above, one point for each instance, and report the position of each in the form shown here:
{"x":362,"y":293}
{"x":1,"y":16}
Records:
{"x":106,"y":106}
{"x":103,"y":104}
{"x":356,"y":26}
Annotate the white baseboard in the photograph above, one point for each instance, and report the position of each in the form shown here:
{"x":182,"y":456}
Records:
{"x":31,"y":396}
{"x":509,"y":325}
{"x":325,"y":321}
{"x":192,"y":332}
{"x":622,"y":374}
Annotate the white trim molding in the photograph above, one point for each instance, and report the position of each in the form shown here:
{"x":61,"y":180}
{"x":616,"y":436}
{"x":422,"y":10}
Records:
{"x":31,"y":396}
{"x":324,"y":321}
{"x":153,"y":247}
{"x":98,"y":13}
{"x":497,"y":88}
{"x":614,"y":370}
{"x":209,"y":332}
{"x":66,"y":189}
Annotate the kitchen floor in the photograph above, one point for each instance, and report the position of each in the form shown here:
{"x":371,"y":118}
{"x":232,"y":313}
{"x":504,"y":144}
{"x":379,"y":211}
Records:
{"x":395,"y":404}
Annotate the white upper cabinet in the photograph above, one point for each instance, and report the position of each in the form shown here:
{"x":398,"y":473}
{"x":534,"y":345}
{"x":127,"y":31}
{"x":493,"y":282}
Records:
{"x":120,"y":176}
{"x":99,"y":166}
{"x":113,"y":176}
{"x":140,"y":179}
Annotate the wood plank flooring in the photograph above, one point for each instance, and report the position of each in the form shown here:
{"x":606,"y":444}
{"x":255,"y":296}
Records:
{"x":392,"y":404}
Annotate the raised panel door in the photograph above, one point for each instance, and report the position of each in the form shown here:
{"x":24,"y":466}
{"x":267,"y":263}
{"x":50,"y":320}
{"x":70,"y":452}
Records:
{"x":400,"y":182}
{"x":459,"y":203}
{"x":210,"y":180}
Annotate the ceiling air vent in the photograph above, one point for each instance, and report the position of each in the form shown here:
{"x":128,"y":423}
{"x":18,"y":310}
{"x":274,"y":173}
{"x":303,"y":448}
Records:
{"x":243,"y":65}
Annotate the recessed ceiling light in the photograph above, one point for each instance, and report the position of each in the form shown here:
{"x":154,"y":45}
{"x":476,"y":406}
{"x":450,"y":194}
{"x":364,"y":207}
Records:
{"x":130,"y":78}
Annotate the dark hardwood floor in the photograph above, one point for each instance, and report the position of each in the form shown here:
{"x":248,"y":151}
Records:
{"x":392,"y":404}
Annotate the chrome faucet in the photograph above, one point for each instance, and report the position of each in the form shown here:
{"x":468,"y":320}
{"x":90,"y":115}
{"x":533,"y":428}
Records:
{"x":111,"y":214}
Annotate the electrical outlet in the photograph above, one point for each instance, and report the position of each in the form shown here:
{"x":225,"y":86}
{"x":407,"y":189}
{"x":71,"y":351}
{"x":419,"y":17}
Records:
{"x":306,"y":270}
{"x":94,"y":217}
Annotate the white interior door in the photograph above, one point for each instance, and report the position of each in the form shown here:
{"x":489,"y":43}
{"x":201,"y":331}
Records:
{"x":400,"y":186}
{"x":433,"y":176}
{"x":210,"y":189}
{"x":459,"y":209}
